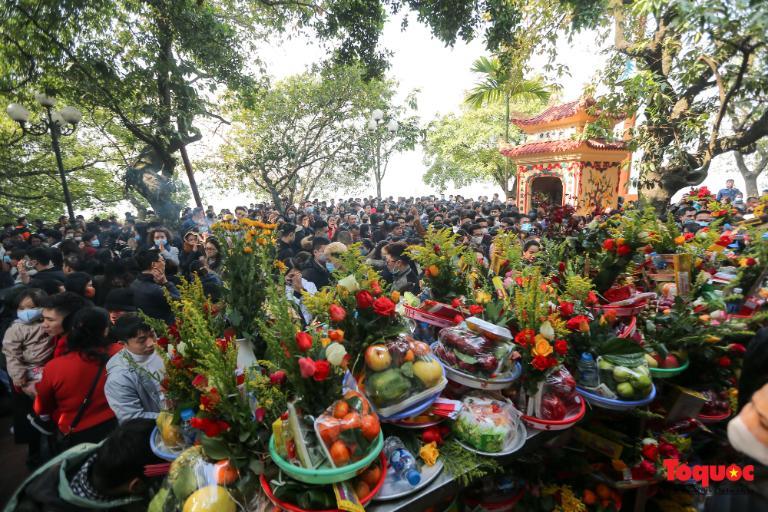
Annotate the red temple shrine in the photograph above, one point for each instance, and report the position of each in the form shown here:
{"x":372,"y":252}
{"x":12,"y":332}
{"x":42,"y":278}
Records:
{"x":557,"y":165}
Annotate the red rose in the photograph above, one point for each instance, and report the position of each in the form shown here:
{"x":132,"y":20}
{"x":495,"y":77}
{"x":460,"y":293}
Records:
{"x":526,"y":337}
{"x":577,"y":323}
{"x":458,"y":319}
{"x":644,"y":471}
{"x":609,"y":244}
{"x":376,"y":288}
{"x":162,"y":341}
{"x":222,"y":343}
{"x":303,"y":341}
{"x":173,"y":331}
{"x":650,"y":451}
{"x":737,"y":348}
{"x":259,"y":414}
{"x":384,"y":307}
{"x":751,"y":262}
{"x":177,"y":361}
{"x":541,"y":363}
{"x":456,"y":303}
{"x":278,"y":378}
{"x":337,"y":313}
{"x":668,"y":451}
{"x":322,"y":370}
{"x":364,"y":299}
{"x":211,"y":428}
{"x":307,"y":367}
{"x":209,"y":401}
{"x":230,"y":333}
{"x":624,"y":250}
{"x":561,"y":267}
{"x":475,"y":309}
{"x":689,"y":236}
{"x":519,"y":281}
{"x":200,"y":382}
{"x":561,"y":347}
{"x":567,"y":308}
{"x":592,"y":298}
{"x":724,"y":362}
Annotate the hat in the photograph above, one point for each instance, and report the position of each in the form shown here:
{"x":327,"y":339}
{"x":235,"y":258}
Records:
{"x":120,"y":299}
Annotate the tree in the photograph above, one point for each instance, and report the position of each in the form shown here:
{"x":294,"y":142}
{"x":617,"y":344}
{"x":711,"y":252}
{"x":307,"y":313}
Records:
{"x":298,"y":139}
{"x":464,"y":149}
{"x":382,"y":142}
{"x":694,"y":61}
{"x":752,"y":166}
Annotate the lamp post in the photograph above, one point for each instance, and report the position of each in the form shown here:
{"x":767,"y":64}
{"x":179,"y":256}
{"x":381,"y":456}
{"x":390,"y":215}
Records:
{"x":375,"y":126}
{"x":58,"y":123}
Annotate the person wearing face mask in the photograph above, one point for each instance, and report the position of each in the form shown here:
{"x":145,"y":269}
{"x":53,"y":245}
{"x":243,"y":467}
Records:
{"x":402,"y":268}
{"x":316,"y":272}
{"x":161,"y":239}
{"x":295,"y":286}
{"x":80,"y":283}
{"x":27,"y":348}
{"x":134,"y":374}
{"x":150,"y":286}
{"x":90,"y":245}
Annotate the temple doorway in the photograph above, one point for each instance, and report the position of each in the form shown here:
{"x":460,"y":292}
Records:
{"x":546,"y":189}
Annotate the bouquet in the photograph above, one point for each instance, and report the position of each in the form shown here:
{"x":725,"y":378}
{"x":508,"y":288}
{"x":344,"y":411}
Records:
{"x":443,"y":261}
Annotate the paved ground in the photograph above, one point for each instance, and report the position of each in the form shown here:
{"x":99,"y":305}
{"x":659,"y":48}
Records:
{"x":13,"y":468}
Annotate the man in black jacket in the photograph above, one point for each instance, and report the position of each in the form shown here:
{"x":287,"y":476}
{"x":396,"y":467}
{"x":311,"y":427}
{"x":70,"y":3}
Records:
{"x":316,"y":272}
{"x":40,"y":258}
{"x":285,"y":246}
{"x":149,"y":286}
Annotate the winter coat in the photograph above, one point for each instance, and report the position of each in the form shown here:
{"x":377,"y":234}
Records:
{"x":131,"y":391}
{"x":26,"y":347}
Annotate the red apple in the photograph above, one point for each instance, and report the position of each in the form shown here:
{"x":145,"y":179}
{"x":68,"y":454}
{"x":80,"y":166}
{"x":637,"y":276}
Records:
{"x":377,"y":358}
{"x":670,"y":362}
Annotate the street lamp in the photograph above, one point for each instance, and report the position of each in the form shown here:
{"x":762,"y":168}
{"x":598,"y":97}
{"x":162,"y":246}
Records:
{"x":375,"y":122}
{"x":58,"y":123}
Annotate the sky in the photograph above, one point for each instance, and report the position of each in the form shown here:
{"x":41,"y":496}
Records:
{"x":442,"y":75}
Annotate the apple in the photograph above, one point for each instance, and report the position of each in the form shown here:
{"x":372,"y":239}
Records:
{"x":652,"y":362}
{"x":428,"y":372}
{"x":377,"y":358}
{"x":670,"y":362}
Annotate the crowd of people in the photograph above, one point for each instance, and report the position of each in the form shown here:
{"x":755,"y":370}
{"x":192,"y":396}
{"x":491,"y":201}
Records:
{"x":80,"y":363}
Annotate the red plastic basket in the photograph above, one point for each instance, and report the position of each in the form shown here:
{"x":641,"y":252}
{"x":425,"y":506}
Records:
{"x":542,"y":424}
{"x":422,"y":316}
{"x":282,"y":505}
{"x":629,"y":330}
{"x":706,"y":418}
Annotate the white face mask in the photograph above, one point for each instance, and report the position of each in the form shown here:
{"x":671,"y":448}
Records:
{"x":744,"y":441}
{"x":477,"y":240}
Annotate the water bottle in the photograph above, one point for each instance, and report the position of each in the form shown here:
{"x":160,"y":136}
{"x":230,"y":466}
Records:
{"x":401,"y":460}
{"x":587,"y":368}
{"x":187,"y":431}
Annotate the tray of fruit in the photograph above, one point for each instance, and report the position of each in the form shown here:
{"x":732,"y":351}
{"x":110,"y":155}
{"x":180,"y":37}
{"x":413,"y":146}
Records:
{"x":716,"y":408}
{"x":615,"y":404}
{"x":667,"y":367}
{"x":490,"y":426}
{"x":624,"y":383}
{"x":557,"y":405}
{"x":299,"y":497}
{"x":402,"y":377}
{"x":166,"y":440}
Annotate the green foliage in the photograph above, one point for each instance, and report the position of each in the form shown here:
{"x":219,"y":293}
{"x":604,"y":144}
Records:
{"x":440,"y":256}
{"x":466,"y":466}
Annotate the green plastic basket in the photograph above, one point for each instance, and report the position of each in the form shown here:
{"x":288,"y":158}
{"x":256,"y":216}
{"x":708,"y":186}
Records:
{"x":666,"y":373}
{"x":326,"y":475}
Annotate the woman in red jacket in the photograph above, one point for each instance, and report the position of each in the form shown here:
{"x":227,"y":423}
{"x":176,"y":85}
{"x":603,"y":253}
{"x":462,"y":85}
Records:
{"x":67,"y":380}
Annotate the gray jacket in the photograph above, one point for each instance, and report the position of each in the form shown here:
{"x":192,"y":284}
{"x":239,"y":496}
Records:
{"x":130,"y":391}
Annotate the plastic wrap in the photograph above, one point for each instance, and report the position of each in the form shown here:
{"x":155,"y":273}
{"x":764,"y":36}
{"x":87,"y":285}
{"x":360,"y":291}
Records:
{"x":401,"y":373}
{"x":624,"y":377}
{"x":488,"y":330}
{"x":196,"y":483}
{"x":473,"y":353}
{"x":486,"y":423}
{"x":556,"y":398}
{"x":347,"y":429}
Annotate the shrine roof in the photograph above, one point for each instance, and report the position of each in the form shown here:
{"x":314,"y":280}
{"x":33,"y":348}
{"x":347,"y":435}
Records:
{"x":561,"y":146}
{"x":556,"y":112}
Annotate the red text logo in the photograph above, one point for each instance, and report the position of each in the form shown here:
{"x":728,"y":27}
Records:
{"x":704,"y":474}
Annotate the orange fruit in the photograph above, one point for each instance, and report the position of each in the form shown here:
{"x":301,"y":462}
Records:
{"x":433,"y":270}
{"x":419,"y":348}
{"x":225,"y":473}
{"x":603,"y":491}
{"x":351,"y":420}
{"x":409,"y":356}
{"x":362,"y":489}
{"x":341,"y":409}
{"x":329,"y":430}
{"x":370,"y":426}
{"x":589,"y":498}
{"x":339,"y":453}
{"x":371,"y":476}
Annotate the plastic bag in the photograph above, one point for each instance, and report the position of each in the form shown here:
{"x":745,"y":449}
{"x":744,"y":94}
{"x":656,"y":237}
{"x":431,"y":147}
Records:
{"x":347,"y":429}
{"x":472,"y":353}
{"x":626,"y":377}
{"x":487,"y":423}
{"x":296,"y":441}
{"x":195,"y":482}
{"x":401,"y":373}
{"x":556,"y":398}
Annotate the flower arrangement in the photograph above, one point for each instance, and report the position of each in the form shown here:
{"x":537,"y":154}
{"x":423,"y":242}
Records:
{"x":443,"y":261}
{"x":249,"y":257}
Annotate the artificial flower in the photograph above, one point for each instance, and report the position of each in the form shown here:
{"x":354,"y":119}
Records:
{"x":475,"y":309}
{"x":541,"y":363}
{"x":624,"y":250}
{"x":592,"y":298}
{"x":303,"y":341}
{"x":432,"y":271}
{"x":210,"y":427}
{"x":541,"y":346}
{"x":561,"y":347}
{"x":578,"y":323}
{"x":307,"y":367}
{"x":526,"y":337}
{"x":384,"y":307}
{"x":456,"y":303}
{"x":609,"y":244}
{"x":322,"y":370}
{"x":668,"y":451}
{"x":337,"y":313}
{"x":567,"y":308}
{"x":162,"y":341}
{"x":364,"y":299}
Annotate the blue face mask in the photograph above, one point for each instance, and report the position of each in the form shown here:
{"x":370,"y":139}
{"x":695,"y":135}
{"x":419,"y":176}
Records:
{"x":330,"y":266}
{"x":160,"y":243}
{"x":525,"y":227}
{"x":138,"y":238}
{"x":6,"y":259}
{"x":95,"y":243}
{"x":29,"y":315}
{"x":703,"y":223}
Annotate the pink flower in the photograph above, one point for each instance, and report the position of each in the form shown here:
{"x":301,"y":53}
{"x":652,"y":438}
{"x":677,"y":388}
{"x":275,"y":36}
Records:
{"x":306,"y":367}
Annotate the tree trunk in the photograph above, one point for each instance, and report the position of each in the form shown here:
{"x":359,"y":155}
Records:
{"x":750,"y":175}
{"x":750,"y":182}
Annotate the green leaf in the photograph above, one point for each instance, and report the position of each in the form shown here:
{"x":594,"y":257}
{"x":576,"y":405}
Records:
{"x":215,"y":448}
